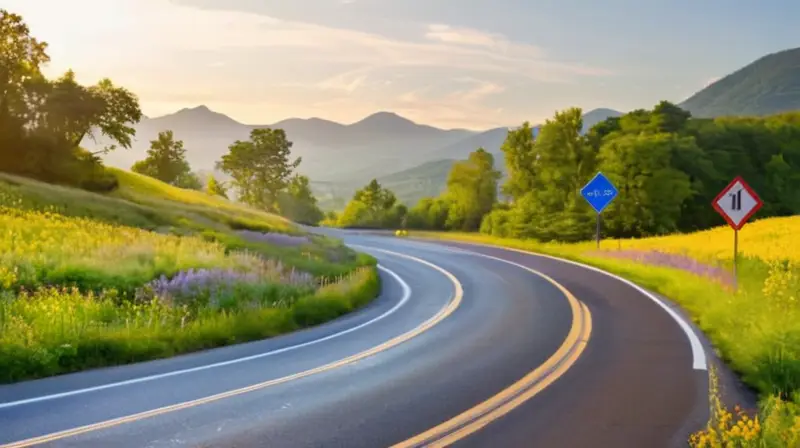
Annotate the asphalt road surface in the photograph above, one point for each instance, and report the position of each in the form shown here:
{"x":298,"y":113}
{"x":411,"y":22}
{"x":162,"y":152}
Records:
{"x":466,"y":346}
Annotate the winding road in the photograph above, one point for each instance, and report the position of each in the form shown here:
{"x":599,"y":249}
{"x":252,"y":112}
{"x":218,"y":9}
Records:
{"x":467,"y":346}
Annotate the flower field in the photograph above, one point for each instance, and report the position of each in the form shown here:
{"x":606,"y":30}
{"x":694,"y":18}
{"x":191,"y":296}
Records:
{"x":771,"y":239}
{"x":86,"y":282}
{"x":755,"y":328}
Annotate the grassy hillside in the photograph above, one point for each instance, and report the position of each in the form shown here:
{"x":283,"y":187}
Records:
{"x":149,"y":271}
{"x":756,"y":328}
{"x":767,"y":86}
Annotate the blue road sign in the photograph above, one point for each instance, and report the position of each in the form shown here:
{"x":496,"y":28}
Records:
{"x":599,"y":192}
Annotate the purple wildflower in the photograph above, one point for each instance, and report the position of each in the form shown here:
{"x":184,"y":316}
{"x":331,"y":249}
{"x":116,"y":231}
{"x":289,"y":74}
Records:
{"x":212,"y":284}
{"x":671,"y":260}
{"x":278,"y":239}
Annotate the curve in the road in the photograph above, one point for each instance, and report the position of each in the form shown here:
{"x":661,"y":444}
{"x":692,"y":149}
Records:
{"x":406,"y":295}
{"x":636,"y":384}
{"x":699,"y":359}
{"x":441,"y":315}
{"x":472,"y":420}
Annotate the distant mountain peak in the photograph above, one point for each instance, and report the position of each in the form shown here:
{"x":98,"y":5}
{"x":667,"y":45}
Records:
{"x":197,"y":110}
{"x":604,"y":111}
{"x":385,"y":118}
{"x":199,"y":115}
{"x":768,"y":85}
{"x":200,"y":108}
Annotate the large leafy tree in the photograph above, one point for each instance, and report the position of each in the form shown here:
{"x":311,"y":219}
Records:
{"x":74,"y":112}
{"x":42,"y":122}
{"x":472,"y":189}
{"x":21,"y":59}
{"x":260,"y":167}
{"x":651,"y":190}
{"x":520,"y":157}
{"x":166,"y":161}
{"x":556,"y":165}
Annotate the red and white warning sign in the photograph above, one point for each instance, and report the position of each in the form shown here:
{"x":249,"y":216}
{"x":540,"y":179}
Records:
{"x":737,"y":203}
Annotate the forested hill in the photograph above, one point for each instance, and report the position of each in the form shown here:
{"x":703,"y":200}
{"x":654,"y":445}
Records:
{"x":667,"y":166}
{"x":767,"y":86}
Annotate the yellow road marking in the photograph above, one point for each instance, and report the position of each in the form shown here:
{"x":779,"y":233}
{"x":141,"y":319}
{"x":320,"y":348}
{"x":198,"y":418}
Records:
{"x":441,"y":315}
{"x":495,"y":407}
{"x":528,"y":394}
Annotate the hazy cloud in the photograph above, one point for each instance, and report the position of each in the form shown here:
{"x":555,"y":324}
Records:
{"x":168,"y":52}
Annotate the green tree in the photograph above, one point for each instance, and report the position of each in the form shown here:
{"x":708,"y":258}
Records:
{"x":298,"y":202}
{"x":549,"y":206}
{"x":429,"y":213}
{"x":260,"y":167}
{"x":372,"y":206}
{"x":215,"y":188}
{"x":43,"y":122}
{"x":652,"y":191}
{"x":520,"y":158}
{"x":72,"y":111}
{"x":189,"y":180}
{"x":166,"y":161}
{"x":472,"y":190}
{"x":21,"y":58}
{"x":120,"y":111}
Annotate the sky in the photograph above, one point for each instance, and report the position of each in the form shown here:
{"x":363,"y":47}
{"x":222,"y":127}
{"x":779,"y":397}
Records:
{"x":472,"y":64}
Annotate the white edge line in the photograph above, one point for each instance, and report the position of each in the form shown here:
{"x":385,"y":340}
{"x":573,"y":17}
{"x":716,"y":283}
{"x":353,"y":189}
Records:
{"x":699,"y":361}
{"x":406,"y":295}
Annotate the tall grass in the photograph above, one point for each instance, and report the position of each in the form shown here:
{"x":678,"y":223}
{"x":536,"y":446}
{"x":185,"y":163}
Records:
{"x":57,"y":330}
{"x":44,"y":249}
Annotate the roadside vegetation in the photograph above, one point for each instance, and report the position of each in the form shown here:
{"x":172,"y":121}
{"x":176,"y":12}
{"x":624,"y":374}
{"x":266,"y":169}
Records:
{"x":660,"y":232}
{"x":101,"y":266}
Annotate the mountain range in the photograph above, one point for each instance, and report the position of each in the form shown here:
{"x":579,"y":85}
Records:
{"x":413,"y":159}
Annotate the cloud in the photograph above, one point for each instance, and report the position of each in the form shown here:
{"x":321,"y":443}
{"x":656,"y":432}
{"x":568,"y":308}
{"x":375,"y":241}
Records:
{"x":480,"y":90}
{"x":464,"y":36}
{"x":459,"y":108}
{"x":148,"y":24}
{"x":711,"y":81}
{"x":347,"y":82}
{"x":272,"y":68}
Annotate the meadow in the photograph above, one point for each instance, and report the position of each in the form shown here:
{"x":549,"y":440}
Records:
{"x":150,"y":271}
{"x":754,"y":327}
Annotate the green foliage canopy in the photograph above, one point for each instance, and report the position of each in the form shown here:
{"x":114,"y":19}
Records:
{"x":260,"y":167}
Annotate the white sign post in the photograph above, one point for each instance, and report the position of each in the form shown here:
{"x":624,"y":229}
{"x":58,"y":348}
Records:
{"x":737,"y":203}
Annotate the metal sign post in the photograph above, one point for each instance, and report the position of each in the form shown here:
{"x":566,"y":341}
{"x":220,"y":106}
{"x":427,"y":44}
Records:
{"x":599,"y":192}
{"x":737,"y":203}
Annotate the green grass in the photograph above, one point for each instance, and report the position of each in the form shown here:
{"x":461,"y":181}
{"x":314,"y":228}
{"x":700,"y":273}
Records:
{"x":755,"y":330}
{"x":53,"y":331}
{"x":146,"y":203}
{"x":147,"y":191}
{"x":150,"y":271}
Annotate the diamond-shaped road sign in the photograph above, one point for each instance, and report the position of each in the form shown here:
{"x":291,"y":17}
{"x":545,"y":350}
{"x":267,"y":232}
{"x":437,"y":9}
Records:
{"x":737,"y":203}
{"x":599,"y":192}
